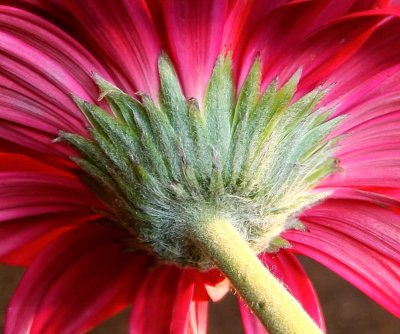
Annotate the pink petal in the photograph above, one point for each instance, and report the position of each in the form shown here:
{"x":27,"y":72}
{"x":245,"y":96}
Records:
{"x":215,"y":284}
{"x":167,"y":296}
{"x":14,"y":162}
{"x":38,"y":203}
{"x":197,"y":318}
{"x":121,"y":35}
{"x":41,"y":66}
{"x":381,"y":173}
{"x":289,"y":271}
{"x":235,"y":22}
{"x":370,"y":4}
{"x":369,"y":152}
{"x":291,"y":36}
{"x":218,"y":291}
{"x":23,"y":239}
{"x":191,"y":320}
{"x":379,"y":196}
{"x":370,"y":224}
{"x":374,"y":65}
{"x":26,"y":194}
{"x":195,"y":31}
{"x":250,"y":321}
{"x":345,"y":50}
{"x":329,"y":48}
{"x":78,"y":281}
{"x":357,"y":240}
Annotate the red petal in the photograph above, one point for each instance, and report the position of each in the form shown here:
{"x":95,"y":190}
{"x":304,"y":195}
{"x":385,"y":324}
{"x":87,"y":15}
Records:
{"x":41,"y":66}
{"x":357,"y":241}
{"x":195,"y":31}
{"x":167,"y":296}
{"x":23,"y":239}
{"x":11,"y":162}
{"x":371,"y":224}
{"x":289,"y":271}
{"x":375,"y":64}
{"x":36,"y":208}
{"x":290,"y":36}
{"x":78,"y":281}
{"x":218,"y":291}
{"x":197,"y":317}
{"x":215,"y":283}
{"x":250,"y":321}
{"x":121,"y":35}
{"x":190,"y":318}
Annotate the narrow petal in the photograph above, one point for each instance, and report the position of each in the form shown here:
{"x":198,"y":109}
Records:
{"x":197,"y":317}
{"x":382,"y":197}
{"x":235,"y":22}
{"x":302,"y":34}
{"x":171,"y":290}
{"x":190,"y":318}
{"x":216,"y":284}
{"x":38,"y":203}
{"x":194,"y":35}
{"x":40,"y":67}
{"x":370,"y":224}
{"x":78,"y":281}
{"x":23,"y":239}
{"x":360,"y":244}
{"x":122,"y":35}
{"x":250,"y":321}
{"x":289,"y":271}
{"x":15,"y":162}
{"x":324,"y":52}
{"x":374,"y":65}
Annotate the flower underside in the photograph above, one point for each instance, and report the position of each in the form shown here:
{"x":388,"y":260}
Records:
{"x":250,"y":158}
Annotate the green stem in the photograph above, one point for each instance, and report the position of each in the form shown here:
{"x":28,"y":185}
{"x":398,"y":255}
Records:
{"x":277,"y":309}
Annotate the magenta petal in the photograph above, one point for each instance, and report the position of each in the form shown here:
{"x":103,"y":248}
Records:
{"x":197,"y":318}
{"x":289,"y":271}
{"x":375,"y":64}
{"x":362,"y":262}
{"x":79,"y":280}
{"x":16,"y":162}
{"x":22,"y":239}
{"x":167,"y":296}
{"x":40,"y":66}
{"x":121,"y":34}
{"x":195,"y":31}
{"x":291,"y":36}
{"x":30,"y":194}
{"x":370,"y":224}
{"x":378,"y":196}
{"x":250,"y":321}
{"x":192,"y":317}
{"x":36,"y":208}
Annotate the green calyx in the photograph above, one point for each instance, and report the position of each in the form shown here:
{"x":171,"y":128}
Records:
{"x":250,"y":158}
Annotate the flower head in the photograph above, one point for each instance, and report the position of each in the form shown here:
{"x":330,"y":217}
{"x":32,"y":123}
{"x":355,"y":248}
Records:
{"x":280,"y":116}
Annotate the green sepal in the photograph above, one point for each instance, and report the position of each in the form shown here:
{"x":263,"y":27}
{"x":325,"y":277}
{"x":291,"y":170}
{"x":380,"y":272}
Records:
{"x":201,"y":147}
{"x":159,"y":164}
{"x":278,"y":243}
{"x":218,"y":105}
{"x":246,"y":103}
{"x":281,"y":100}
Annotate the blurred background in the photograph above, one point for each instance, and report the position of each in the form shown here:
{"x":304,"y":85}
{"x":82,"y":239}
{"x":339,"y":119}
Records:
{"x":346,"y":310}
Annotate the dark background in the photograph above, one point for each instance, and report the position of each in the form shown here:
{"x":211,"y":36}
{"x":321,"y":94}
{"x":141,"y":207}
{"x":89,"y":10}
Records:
{"x":347,"y":311}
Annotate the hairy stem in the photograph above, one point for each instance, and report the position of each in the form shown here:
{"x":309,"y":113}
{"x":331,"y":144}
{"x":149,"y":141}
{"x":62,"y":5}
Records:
{"x":277,"y":309}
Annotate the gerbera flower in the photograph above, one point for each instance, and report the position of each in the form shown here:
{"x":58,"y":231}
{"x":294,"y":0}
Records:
{"x":279,"y":117}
